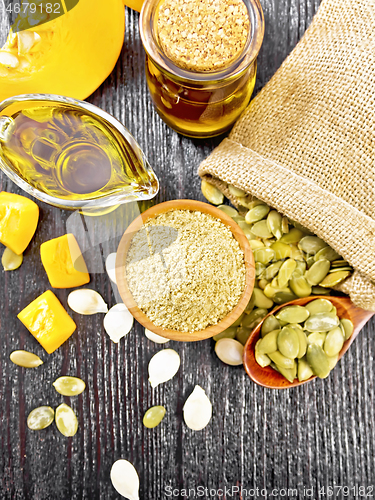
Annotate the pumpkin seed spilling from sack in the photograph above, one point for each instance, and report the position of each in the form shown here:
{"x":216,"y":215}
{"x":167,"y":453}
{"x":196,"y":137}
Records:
{"x":154,"y":337}
{"x":309,"y":342}
{"x":153,"y":416}
{"x":86,"y":301}
{"x":25,"y":359}
{"x":40,"y":418}
{"x":125,"y":479}
{"x":197,"y":409}
{"x":69,"y":386}
{"x":66,"y":420}
{"x":163,"y":366}
{"x":118,"y":322}
{"x":11,"y":260}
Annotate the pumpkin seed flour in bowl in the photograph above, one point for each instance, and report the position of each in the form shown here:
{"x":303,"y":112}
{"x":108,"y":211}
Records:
{"x":184,"y":270}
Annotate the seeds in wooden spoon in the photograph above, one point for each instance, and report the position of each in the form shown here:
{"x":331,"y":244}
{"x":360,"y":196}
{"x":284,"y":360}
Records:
{"x":86,"y":301}
{"x":153,"y":416}
{"x":69,"y":386}
{"x":110,"y":266}
{"x":25,"y":359}
{"x":66,"y":420}
{"x":197,"y":409}
{"x":125,"y":479}
{"x":158,"y":339}
{"x":11,"y":260}
{"x":118,"y":322}
{"x":163,"y":366}
{"x":40,"y":418}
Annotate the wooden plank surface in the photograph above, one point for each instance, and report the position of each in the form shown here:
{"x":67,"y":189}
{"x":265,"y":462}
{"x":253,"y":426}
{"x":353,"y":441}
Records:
{"x":316,"y":436}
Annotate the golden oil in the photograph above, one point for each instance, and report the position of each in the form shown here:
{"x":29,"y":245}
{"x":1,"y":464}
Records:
{"x":69,"y":153}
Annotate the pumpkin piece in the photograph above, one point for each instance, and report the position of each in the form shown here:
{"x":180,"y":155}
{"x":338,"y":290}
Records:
{"x":63,"y":261}
{"x":18,"y":221}
{"x":70,"y":54}
{"x":47,"y":321}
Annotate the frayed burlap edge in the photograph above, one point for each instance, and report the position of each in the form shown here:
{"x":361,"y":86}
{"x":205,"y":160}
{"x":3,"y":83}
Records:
{"x":350,"y":232}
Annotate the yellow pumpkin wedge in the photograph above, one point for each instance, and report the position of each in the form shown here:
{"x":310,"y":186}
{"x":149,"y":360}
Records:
{"x":70,"y":55}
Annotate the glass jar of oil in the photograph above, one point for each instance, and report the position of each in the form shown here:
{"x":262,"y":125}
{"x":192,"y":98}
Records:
{"x":201,"y":61}
{"x":72,"y":154}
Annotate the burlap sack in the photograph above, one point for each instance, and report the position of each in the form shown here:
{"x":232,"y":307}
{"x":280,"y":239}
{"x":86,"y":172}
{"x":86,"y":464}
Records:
{"x":306,"y":144}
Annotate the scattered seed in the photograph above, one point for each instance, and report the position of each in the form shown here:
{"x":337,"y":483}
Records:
{"x":40,"y":418}
{"x":25,"y":359}
{"x":110,"y":266}
{"x":163,"y":366}
{"x":158,"y":339}
{"x":229,"y":351}
{"x":153,"y":416}
{"x":118,"y":322}
{"x":86,"y":301}
{"x":125,"y":479}
{"x":11,"y":260}
{"x":237,"y":192}
{"x":69,"y":386}
{"x":66,"y":420}
{"x":212,"y":193}
{"x":232,"y":212}
{"x":197,"y":409}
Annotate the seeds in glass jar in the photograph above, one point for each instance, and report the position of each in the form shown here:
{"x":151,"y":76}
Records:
{"x":288,"y":343}
{"x":154,"y":337}
{"x":232,"y":212}
{"x":86,"y":301}
{"x":311,"y":244}
{"x":163,"y":366}
{"x":256,"y":214}
{"x":318,"y":360}
{"x":153,"y":416}
{"x":333,"y":342}
{"x":333,"y":279}
{"x":66,"y":420}
{"x":40,"y":418}
{"x":293,"y":314}
{"x":270,"y":324}
{"x":69,"y":386}
{"x":125,"y":479}
{"x":25,"y":359}
{"x":347,"y":327}
{"x":237,"y":192}
{"x":197,"y":409}
{"x":212,"y":193}
{"x":10,"y":260}
{"x":318,"y":306}
{"x":262,"y":359}
{"x":229,"y":351}
{"x":322,"y":322}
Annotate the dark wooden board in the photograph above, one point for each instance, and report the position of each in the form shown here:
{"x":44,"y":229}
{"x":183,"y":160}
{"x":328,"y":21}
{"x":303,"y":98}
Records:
{"x":315,"y":436}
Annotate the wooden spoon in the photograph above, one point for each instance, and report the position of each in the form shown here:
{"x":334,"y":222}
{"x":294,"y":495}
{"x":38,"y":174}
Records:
{"x":268,"y":377}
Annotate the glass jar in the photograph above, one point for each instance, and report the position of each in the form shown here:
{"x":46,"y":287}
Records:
{"x":200,"y":103}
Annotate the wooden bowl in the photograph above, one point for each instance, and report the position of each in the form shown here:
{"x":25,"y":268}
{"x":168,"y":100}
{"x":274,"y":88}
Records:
{"x":127,"y":297}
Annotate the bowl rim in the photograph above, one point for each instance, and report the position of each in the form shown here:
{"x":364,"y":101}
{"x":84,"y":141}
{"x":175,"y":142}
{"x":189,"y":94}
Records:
{"x":184,"y":204}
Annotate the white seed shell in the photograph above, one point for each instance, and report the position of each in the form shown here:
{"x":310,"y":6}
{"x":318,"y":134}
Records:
{"x":163,"y":366}
{"x":125,"y":479}
{"x":110,"y":265}
{"x":197,"y":409}
{"x":86,"y":301}
{"x":158,"y":339}
{"x":229,"y":351}
{"x":118,"y":322}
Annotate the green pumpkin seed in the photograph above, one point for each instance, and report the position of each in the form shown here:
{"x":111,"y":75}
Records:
{"x":239,"y":320}
{"x":243,"y":334}
{"x":274,"y":221}
{"x":317,"y":338}
{"x":237,"y":192}
{"x":334,"y":279}
{"x":332,"y":361}
{"x":302,"y":342}
{"x":40,"y":418}
{"x":269,"y":324}
{"x":339,"y":269}
{"x":239,"y":218}
{"x":339,"y":263}
{"x":66,"y":420}
{"x":229,"y":333}
{"x":285,"y":225}
{"x":211,"y":193}
{"x":311,"y":244}
{"x":153,"y":416}
{"x":301,"y":228}
{"x":287,"y":344}
{"x":261,"y":230}
{"x":318,"y":290}
{"x":259,"y":268}
{"x":10,"y":260}
{"x":334,"y":342}
{"x":347,"y":327}
{"x":263,"y":255}
{"x":232,"y":212}
{"x":262,"y":283}
{"x":284,"y":297}
{"x":272,"y":270}
{"x":300,"y":287}
{"x":321,"y":322}
{"x":304,"y":370}
{"x":319,"y":306}
{"x":246,"y":230}
{"x":293,"y":236}
{"x":69,"y":386}
{"x":285,"y":272}
{"x":327,"y":253}
{"x":293,"y":314}
{"x":261,"y":300}
{"x":250,"y":305}
{"x":262,"y":359}
{"x":318,"y":360}
{"x":290,"y":374}
{"x":309,"y":260}
{"x":25,"y":359}
{"x":280,"y":360}
{"x":270,"y":291}
{"x":282,"y":250}
{"x":256,"y":214}
{"x":255,"y":244}
{"x":297,"y":255}
{"x":318,"y":271}
{"x":268,"y":343}
{"x":250,"y":202}
{"x":254,"y":318}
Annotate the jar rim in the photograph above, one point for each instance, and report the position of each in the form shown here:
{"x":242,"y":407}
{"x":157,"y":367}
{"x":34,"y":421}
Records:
{"x":247,"y":56}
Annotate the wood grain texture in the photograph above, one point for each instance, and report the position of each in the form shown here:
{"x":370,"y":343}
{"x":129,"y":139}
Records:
{"x":318,"y":435}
